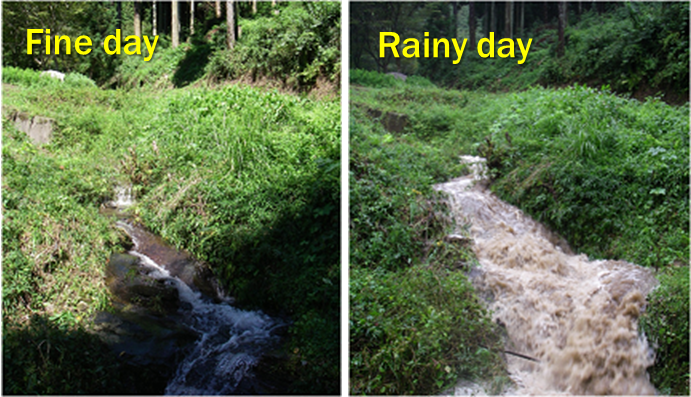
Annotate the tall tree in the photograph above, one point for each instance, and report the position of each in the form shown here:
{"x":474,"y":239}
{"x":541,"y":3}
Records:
{"x":454,"y":20}
{"x":230,"y":21}
{"x":118,"y":20}
{"x":154,"y":18}
{"x":175,"y":24}
{"x":471,"y":23}
{"x":522,"y":25}
{"x":485,"y":18}
{"x":138,"y":18}
{"x":218,"y":8}
{"x":508,"y":19}
{"x":191,"y":17}
{"x":562,"y":26}
{"x":492,"y":19}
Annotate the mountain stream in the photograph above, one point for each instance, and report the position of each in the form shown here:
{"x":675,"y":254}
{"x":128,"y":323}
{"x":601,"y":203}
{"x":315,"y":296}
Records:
{"x":229,"y":343}
{"x":578,"y":318}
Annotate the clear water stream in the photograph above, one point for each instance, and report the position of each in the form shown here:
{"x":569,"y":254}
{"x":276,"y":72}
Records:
{"x":231,"y":341}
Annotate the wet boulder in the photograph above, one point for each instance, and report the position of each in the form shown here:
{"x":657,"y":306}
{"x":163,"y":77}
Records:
{"x":129,"y":283}
{"x":149,"y":347}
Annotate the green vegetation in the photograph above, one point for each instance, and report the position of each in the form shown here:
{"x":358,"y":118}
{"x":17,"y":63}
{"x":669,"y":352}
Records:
{"x":637,"y":48}
{"x":666,"y":324}
{"x":416,"y":325}
{"x":609,"y":173}
{"x":247,"y":180}
{"x":289,"y":45}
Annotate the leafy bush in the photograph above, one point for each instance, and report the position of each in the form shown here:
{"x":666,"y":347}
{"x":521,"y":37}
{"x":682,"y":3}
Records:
{"x":415,"y":331}
{"x":297,"y":46}
{"x":666,"y":324}
{"x":608,"y":173}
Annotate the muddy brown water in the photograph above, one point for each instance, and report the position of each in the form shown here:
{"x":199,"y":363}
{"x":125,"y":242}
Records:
{"x":578,"y":317}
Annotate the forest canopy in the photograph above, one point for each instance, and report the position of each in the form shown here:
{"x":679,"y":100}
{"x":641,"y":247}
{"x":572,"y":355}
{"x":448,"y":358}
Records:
{"x":635,"y":48}
{"x":294,"y":44}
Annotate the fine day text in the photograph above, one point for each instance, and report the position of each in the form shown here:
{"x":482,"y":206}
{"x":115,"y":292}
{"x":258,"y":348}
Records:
{"x":83,"y":44}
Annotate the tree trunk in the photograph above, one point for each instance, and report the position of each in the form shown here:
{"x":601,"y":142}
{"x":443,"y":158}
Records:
{"x":522,"y":19}
{"x":218,"y":8}
{"x":453,"y":27}
{"x":118,"y":21}
{"x":153,"y":15}
{"x":492,"y":20}
{"x":230,"y":21}
{"x":254,"y":6}
{"x":471,"y":23}
{"x":508,"y":19}
{"x":562,"y":26}
{"x":191,"y":18}
{"x":485,"y":19}
{"x":175,"y":24}
{"x":138,"y":18}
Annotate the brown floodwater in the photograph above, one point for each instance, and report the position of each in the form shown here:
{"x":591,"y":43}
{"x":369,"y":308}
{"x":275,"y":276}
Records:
{"x":577,"y":317}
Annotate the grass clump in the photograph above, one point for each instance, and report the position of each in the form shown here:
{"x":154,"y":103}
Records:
{"x":610,"y":174}
{"x":33,"y":78}
{"x":416,"y":325}
{"x":417,"y":330}
{"x":666,"y":324}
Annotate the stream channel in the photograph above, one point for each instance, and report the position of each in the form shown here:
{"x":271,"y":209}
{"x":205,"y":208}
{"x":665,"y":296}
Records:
{"x":578,"y":318}
{"x":172,"y":320}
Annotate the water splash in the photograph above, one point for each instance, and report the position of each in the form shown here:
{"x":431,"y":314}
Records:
{"x":232,"y":340}
{"x":577,"y":317}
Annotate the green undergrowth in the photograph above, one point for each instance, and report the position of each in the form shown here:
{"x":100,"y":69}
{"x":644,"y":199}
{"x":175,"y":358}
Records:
{"x":610,"y":174}
{"x":245,"y":179}
{"x":666,"y":325}
{"x":416,"y":325}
